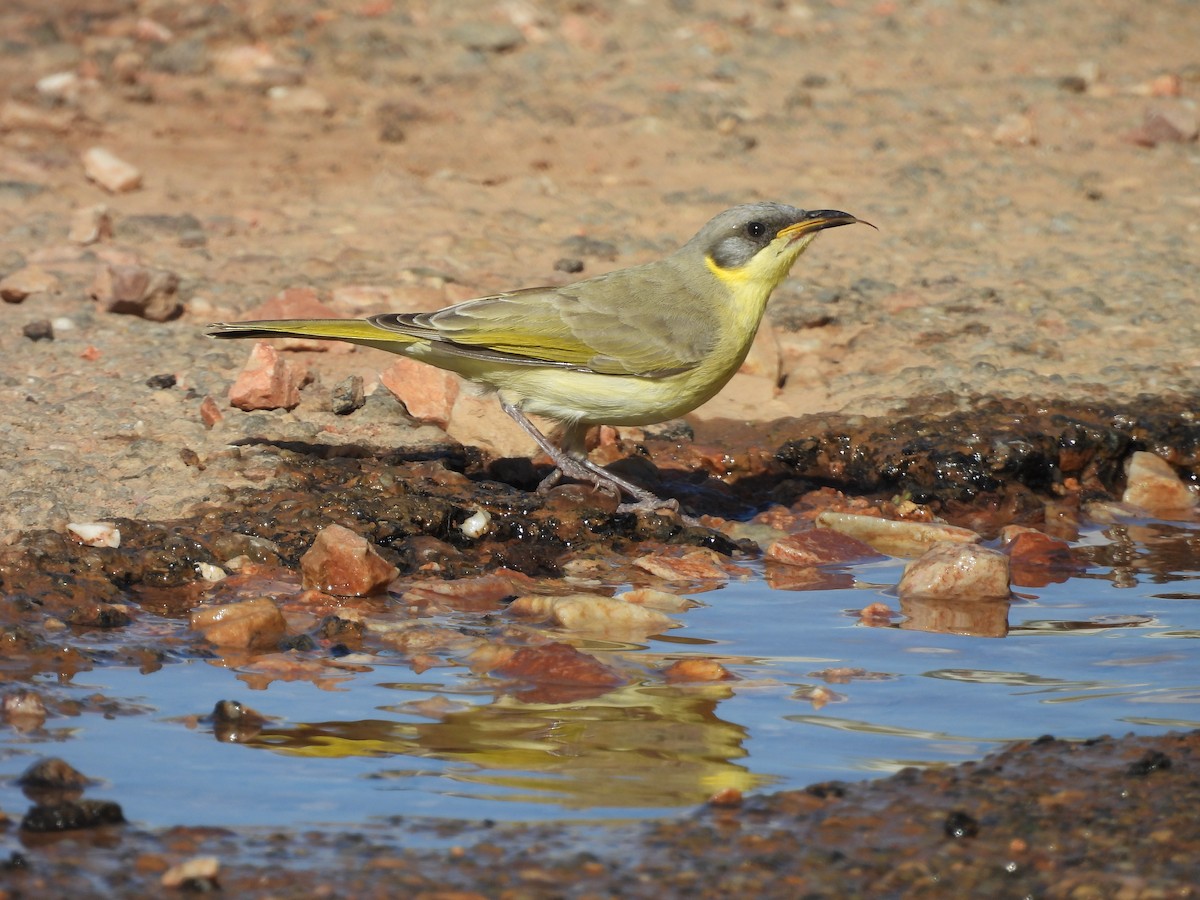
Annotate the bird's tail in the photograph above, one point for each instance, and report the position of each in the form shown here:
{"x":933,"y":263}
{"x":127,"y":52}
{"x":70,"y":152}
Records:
{"x":355,"y":331}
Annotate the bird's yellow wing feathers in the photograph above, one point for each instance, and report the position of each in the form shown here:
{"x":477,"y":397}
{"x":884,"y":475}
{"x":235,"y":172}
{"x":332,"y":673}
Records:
{"x":613,"y":327}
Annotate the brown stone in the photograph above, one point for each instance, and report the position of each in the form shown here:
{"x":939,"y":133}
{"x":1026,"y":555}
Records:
{"x":344,"y":563}
{"x":559,"y":673}
{"x":956,"y":571}
{"x":18,"y":285}
{"x":1153,"y":485}
{"x":691,"y":670}
{"x":137,"y":290}
{"x":251,"y":624}
{"x":1036,"y":560}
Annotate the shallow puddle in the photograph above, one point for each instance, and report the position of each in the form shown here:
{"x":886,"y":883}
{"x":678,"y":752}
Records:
{"x":819,"y":693}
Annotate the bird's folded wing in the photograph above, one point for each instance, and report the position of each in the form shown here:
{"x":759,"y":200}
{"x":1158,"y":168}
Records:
{"x":592,"y":330}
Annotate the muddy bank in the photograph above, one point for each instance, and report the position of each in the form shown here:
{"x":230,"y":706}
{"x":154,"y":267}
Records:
{"x":1103,"y":818}
{"x":997,"y":463}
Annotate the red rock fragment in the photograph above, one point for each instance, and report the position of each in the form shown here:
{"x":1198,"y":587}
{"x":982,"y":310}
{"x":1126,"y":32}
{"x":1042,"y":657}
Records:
{"x":1036,"y":560}
{"x":252,"y":624}
{"x":346,"y":564}
{"x":818,"y":546}
{"x":426,"y":392}
{"x":267,"y":382}
{"x":683,"y":671}
{"x":697,"y":565}
{"x":726,"y":798}
{"x":210,"y":413}
{"x":137,"y":290}
{"x":876,"y":615}
{"x":559,"y":673}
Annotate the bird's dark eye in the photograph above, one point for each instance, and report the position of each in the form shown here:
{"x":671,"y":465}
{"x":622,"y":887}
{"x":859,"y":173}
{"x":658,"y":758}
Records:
{"x":756,"y":229}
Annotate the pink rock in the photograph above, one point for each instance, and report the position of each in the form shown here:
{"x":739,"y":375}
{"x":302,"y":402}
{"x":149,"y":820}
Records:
{"x":267,"y":381}
{"x":346,"y":564}
{"x":138,"y":291}
{"x":427,"y":393}
{"x":110,"y":172}
{"x":1153,"y":485}
{"x":818,"y":546}
{"x":18,"y":285}
{"x":252,"y":624}
{"x":957,"y":572}
{"x":695,"y":565}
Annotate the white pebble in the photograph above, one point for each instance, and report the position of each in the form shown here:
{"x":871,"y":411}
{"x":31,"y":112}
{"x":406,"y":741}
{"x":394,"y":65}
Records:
{"x":209,"y":572}
{"x":477,"y":525}
{"x":95,"y":534}
{"x":59,"y":86}
{"x":110,"y":172}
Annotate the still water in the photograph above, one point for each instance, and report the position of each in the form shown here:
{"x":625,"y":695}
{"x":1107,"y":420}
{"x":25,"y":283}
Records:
{"x":818,"y":695}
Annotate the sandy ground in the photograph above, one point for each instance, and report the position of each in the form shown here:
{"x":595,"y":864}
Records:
{"x":406,"y":156}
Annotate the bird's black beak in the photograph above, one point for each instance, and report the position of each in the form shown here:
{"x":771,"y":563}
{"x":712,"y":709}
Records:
{"x":818,"y":219}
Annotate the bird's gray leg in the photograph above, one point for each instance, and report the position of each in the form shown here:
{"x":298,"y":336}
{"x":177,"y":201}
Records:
{"x":567,"y":465}
{"x":583,"y":469}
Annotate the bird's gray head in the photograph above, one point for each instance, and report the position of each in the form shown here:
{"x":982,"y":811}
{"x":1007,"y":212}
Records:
{"x":733,"y":238}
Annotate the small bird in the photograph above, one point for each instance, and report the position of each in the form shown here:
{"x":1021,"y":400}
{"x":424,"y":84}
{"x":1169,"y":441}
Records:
{"x":632,"y":347}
